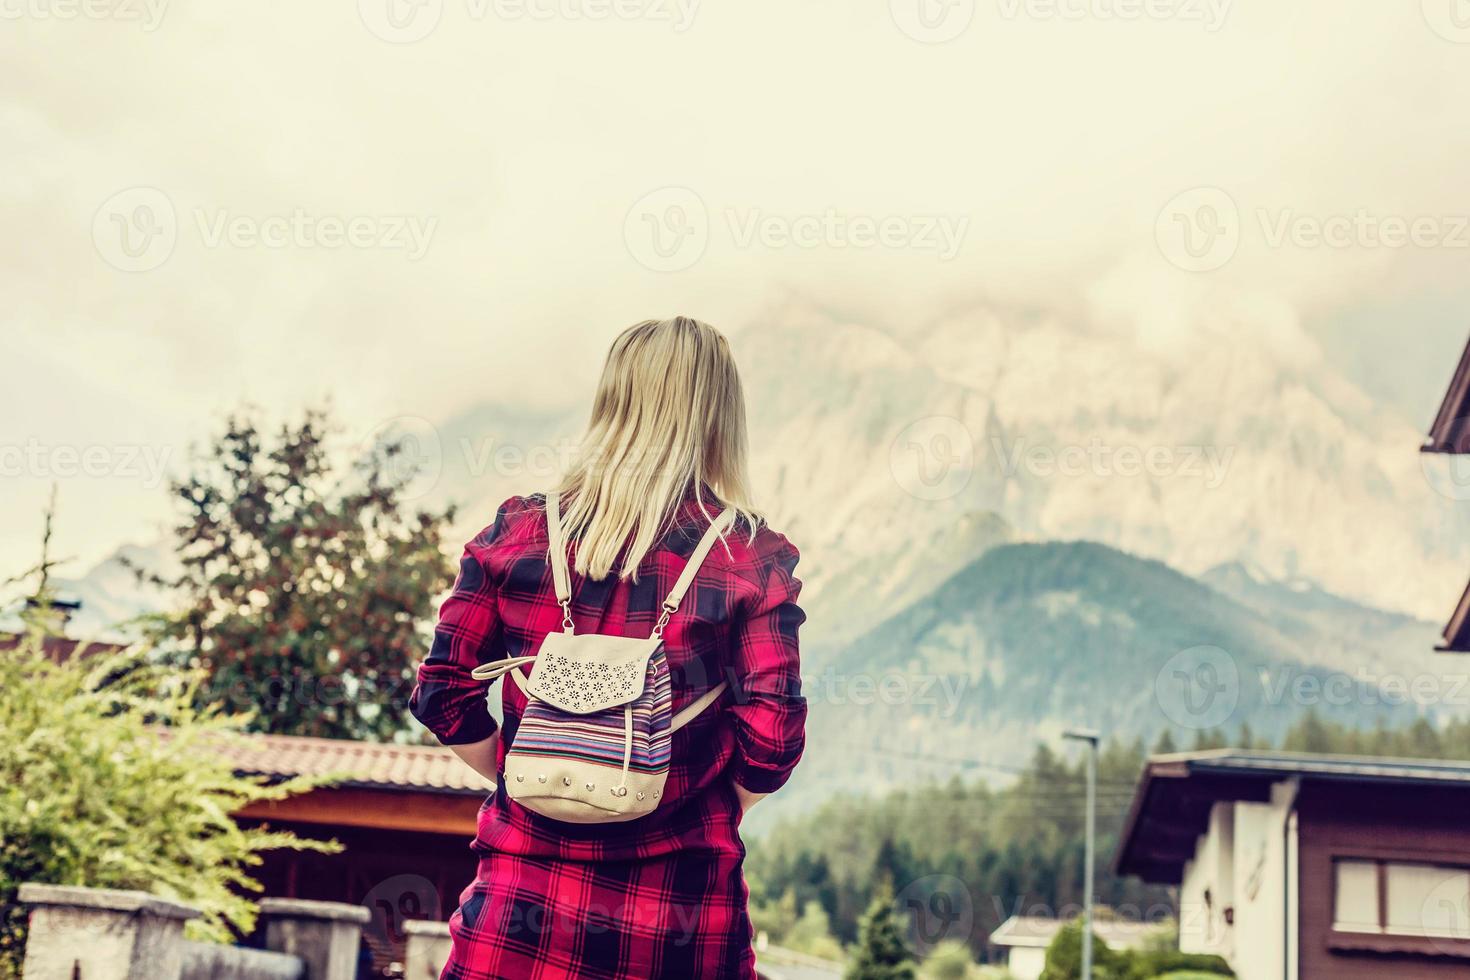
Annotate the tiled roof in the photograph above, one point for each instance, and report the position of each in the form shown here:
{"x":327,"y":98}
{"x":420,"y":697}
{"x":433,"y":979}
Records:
{"x":372,"y":764}
{"x":61,"y":648}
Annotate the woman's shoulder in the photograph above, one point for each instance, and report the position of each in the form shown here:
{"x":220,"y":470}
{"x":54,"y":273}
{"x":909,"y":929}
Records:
{"x":759,"y":553}
{"x":519,"y":521}
{"x":760,"y":541}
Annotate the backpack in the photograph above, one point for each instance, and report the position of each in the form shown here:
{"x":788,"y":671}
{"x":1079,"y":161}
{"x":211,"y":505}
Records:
{"x":593,"y":744}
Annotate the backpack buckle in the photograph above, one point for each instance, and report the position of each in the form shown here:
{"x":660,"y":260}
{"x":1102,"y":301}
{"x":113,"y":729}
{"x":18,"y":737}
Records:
{"x":663,"y":619}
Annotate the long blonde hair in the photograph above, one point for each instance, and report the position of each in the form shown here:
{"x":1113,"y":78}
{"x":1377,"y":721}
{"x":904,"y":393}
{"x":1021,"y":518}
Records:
{"x":668,"y":420}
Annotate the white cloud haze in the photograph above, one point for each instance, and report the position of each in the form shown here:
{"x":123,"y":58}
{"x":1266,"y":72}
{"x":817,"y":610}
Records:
{"x":412,"y":228}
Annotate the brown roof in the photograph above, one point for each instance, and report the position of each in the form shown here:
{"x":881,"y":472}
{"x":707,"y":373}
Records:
{"x":1450,"y":432}
{"x":1457,"y":631}
{"x":62,"y":648}
{"x":1171,"y":806}
{"x":374,"y":764}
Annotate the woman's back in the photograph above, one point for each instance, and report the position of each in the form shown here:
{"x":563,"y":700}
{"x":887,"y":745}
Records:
{"x":738,"y":624}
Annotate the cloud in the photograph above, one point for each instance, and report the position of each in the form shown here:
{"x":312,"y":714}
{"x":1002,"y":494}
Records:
{"x":527,"y":134}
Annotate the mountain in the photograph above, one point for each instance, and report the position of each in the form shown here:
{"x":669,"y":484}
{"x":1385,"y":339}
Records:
{"x":1033,"y":638}
{"x":1065,"y":524}
{"x":894,"y":454}
{"x":110,"y":592}
{"x":1218,"y":454}
{"x":1334,"y":630}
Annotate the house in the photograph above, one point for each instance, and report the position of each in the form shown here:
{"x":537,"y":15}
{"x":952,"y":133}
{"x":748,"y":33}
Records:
{"x":1023,"y":940}
{"x":1449,"y":434}
{"x":1294,"y":865}
{"x":405,"y":815}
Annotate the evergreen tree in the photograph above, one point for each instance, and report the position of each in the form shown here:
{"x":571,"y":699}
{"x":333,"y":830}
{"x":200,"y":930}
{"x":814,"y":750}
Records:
{"x":881,"y":953}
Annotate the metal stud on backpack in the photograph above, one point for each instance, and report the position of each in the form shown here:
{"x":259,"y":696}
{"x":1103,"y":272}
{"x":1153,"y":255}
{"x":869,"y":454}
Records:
{"x":593,"y":743}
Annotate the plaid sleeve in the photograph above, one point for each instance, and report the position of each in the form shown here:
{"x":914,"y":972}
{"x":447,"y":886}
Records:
{"x":447,"y":700}
{"x":769,"y":710}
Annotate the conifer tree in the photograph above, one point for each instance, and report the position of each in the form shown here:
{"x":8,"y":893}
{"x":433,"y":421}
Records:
{"x":881,"y":953}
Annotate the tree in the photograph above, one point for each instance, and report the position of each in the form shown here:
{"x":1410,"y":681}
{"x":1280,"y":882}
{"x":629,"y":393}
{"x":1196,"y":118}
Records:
{"x":112,"y":777}
{"x":307,"y":585}
{"x":881,"y":953}
{"x":950,"y":960}
{"x":812,"y":933}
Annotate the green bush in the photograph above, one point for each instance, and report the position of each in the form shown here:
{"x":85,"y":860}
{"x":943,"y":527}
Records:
{"x":1179,"y":966}
{"x":881,"y":953}
{"x":1064,"y":957}
{"x":1064,"y":960}
{"x":949,"y":960}
{"x":112,"y":778}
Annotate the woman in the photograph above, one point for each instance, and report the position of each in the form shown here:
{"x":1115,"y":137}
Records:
{"x":661,"y":895}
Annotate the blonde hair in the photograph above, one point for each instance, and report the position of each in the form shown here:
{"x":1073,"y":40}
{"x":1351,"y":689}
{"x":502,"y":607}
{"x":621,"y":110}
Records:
{"x":668,"y":420}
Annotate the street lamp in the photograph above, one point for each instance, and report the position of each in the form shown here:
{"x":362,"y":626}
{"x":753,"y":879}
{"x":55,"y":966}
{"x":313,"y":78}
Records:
{"x":1091,"y":738}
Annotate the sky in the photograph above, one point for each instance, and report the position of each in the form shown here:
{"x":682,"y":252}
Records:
{"x":410,"y":207}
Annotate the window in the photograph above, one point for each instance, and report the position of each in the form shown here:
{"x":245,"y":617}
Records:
{"x":1425,"y":900}
{"x":1356,"y":906}
{"x":1401,"y":899}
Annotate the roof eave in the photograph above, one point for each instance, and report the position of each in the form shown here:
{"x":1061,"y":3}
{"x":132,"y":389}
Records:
{"x":1449,"y":432}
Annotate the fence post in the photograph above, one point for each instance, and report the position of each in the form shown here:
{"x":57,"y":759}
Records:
{"x":427,"y":949}
{"x":327,"y":936}
{"x":101,"y":934}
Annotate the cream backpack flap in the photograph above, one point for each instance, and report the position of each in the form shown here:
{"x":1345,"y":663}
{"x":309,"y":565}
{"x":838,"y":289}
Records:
{"x":593,"y":744}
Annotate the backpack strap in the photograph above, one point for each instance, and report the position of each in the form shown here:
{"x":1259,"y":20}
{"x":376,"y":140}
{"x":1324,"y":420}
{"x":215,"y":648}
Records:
{"x":695,"y":708}
{"x":561,"y":579}
{"x":561,"y":582}
{"x":696,"y":558}
{"x":701,"y":551}
{"x":556,"y":549}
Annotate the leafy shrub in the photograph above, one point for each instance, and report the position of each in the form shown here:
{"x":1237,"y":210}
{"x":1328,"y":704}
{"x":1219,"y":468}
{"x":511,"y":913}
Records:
{"x":949,"y":960}
{"x":1064,"y":960}
{"x":113,"y":778}
{"x":306,"y":586}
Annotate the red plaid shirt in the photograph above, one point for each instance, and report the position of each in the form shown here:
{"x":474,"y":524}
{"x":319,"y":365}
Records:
{"x":738,"y":622}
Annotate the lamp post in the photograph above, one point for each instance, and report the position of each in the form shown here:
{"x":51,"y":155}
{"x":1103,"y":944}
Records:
{"x":1091,"y":738}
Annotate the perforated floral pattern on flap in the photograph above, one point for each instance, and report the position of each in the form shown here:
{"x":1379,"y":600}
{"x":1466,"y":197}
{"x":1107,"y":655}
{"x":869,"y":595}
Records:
{"x":590,"y":672}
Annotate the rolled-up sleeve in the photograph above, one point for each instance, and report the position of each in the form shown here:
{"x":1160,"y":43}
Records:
{"x":769,"y":710}
{"x":447,"y":700}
